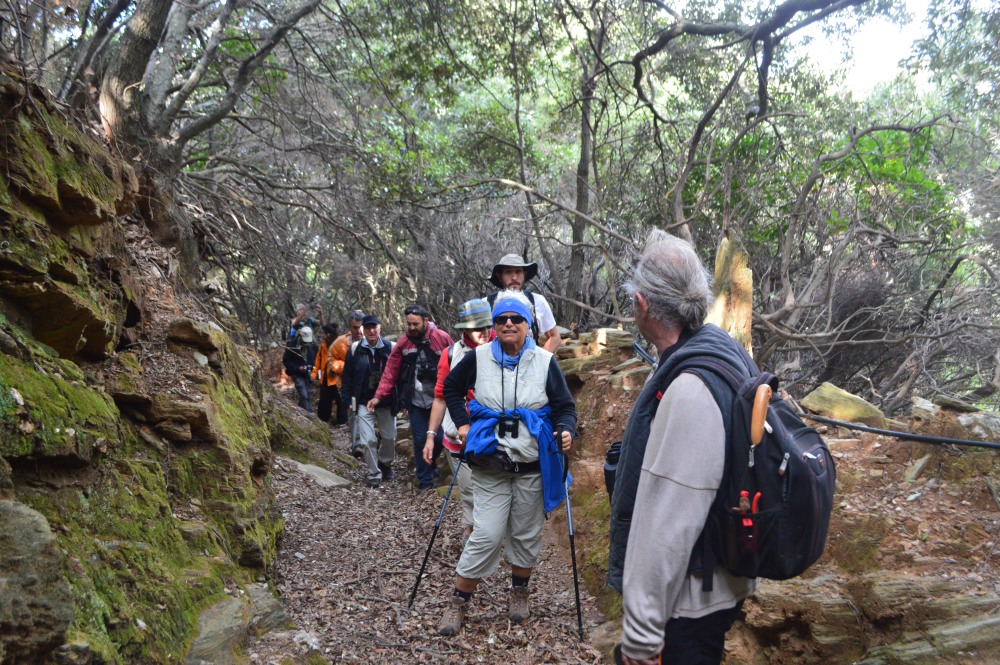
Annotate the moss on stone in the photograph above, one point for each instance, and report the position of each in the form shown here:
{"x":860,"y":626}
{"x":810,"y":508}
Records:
{"x":591,"y":513}
{"x":857,"y":548}
{"x":44,"y":274}
{"x":229,"y":477}
{"x":151,"y":533}
{"x":34,"y":248}
{"x":138,"y":586}
{"x":60,"y":417}
{"x":130,"y":361}
{"x":288,"y":434}
{"x":63,"y":170}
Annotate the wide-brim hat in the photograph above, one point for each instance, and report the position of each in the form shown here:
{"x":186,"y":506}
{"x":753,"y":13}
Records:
{"x":512,"y":261}
{"x":474,"y":313}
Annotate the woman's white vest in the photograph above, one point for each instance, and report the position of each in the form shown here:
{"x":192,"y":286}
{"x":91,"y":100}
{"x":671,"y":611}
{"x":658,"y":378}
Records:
{"x":459,"y":349}
{"x":496,"y":389}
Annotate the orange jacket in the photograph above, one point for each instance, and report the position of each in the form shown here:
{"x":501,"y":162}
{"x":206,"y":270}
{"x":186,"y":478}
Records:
{"x":330,"y":361}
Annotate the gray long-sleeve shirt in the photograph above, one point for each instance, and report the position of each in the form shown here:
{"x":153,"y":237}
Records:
{"x":681,"y":472}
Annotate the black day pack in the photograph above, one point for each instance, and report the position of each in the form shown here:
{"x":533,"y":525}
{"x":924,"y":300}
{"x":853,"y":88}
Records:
{"x":771,"y":514}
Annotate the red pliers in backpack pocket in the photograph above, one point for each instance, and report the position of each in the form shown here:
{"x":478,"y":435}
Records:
{"x":749,"y":521}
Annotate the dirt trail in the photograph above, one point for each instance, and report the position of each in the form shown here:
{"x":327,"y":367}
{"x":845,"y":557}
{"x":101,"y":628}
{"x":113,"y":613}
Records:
{"x":904,"y":510}
{"x":348,"y":564}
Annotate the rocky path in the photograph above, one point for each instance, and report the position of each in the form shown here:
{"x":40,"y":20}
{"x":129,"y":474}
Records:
{"x":348,"y":564}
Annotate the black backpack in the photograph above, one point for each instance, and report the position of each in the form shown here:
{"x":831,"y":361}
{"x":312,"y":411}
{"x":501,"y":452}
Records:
{"x":420,"y":365}
{"x":772,"y":512}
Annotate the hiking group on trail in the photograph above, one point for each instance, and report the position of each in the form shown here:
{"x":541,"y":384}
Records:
{"x":498,"y":403}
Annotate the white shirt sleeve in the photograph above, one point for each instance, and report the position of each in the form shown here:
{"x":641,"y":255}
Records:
{"x":543,"y":313}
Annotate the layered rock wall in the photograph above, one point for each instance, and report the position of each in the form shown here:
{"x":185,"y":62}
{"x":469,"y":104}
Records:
{"x":134,"y":445}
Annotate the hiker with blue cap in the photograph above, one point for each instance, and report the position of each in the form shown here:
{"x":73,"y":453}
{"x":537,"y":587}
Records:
{"x":522,"y":419}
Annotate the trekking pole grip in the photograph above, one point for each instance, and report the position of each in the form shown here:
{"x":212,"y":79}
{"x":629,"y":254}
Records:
{"x":559,"y":448}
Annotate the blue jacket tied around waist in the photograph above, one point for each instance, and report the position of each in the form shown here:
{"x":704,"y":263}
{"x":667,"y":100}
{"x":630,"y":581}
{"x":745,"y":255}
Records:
{"x":482,"y":440}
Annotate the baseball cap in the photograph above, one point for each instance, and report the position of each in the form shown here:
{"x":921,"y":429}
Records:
{"x":370,"y":320}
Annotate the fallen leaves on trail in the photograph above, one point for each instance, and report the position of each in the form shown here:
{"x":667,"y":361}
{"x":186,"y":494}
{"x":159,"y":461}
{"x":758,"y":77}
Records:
{"x":348,"y":564}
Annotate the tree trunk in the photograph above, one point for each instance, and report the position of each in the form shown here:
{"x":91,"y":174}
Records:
{"x":733,"y":286}
{"x":121,"y":91}
{"x":126,"y":126}
{"x":574,"y":281}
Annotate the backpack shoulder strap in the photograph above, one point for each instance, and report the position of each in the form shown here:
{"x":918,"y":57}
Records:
{"x":745,"y":386}
{"x":534,"y":319}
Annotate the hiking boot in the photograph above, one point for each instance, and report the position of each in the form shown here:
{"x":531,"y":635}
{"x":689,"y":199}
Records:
{"x":454,"y":615}
{"x":386,"y":470}
{"x":519,"y":604}
{"x":357,"y":452}
{"x":374,"y":484}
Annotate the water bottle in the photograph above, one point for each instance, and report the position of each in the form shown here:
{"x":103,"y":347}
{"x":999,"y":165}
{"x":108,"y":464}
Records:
{"x":611,"y":466}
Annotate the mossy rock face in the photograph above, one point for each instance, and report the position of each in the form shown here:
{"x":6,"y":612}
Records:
{"x":57,"y":166}
{"x":88,"y":325}
{"x":44,"y":274}
{"x":137,"y":585}
{"x":207,"y":337}
{"x":149,"y":533}
{"x":227,"y":465}
{"x":6,"y":480}
{"x":52,"y":415}
{"x":59,"y":178}
{"x":291,"y":428}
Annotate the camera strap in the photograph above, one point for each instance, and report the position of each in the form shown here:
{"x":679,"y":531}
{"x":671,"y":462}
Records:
{"x":503,"y":398}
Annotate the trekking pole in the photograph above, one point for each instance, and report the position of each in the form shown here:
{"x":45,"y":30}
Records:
{"x":437,"y":525}
{"x":564,"y":458}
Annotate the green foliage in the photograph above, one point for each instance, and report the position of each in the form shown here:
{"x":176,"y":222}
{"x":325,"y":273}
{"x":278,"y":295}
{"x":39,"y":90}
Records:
{"x":961,"y":52}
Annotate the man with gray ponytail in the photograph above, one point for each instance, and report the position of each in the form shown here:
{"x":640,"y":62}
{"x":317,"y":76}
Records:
{"x":671,"y":465}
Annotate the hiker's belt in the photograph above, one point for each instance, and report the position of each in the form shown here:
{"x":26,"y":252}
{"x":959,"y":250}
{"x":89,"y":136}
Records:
{"x":500,"y":461}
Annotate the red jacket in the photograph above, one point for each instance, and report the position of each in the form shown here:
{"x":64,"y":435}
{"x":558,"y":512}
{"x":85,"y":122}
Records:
{"x":439,"y":343}
{"x":444,"y":366}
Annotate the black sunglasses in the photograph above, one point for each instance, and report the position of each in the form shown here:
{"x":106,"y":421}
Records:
{"x":415,"y":310}
{"x":516,"y":319}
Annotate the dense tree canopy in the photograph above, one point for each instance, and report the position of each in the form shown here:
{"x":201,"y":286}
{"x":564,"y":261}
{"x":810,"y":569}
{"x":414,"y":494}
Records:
{"x":365,"y":153}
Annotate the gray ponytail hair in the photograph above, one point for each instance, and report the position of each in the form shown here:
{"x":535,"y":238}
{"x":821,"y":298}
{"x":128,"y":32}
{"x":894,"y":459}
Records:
{"x":673,"y":280}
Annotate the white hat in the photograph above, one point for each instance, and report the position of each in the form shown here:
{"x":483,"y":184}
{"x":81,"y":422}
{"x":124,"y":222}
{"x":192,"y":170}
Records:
{"x":305,"y":333}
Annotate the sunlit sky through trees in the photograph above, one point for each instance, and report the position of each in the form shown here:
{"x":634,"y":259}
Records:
{"x":875,"y":52}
